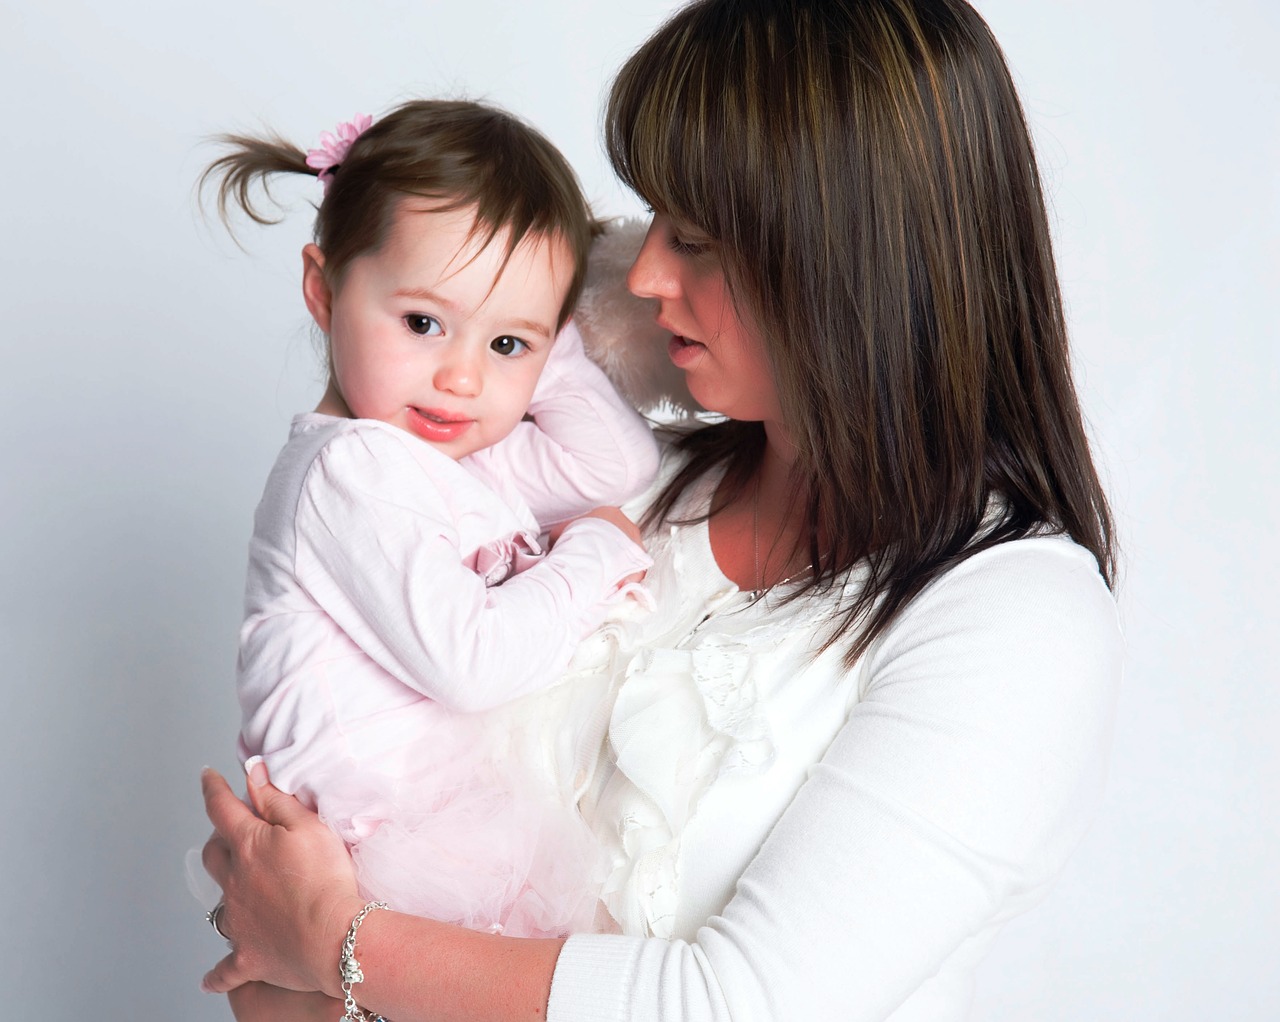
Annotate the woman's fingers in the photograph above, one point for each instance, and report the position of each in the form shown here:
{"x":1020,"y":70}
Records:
{"x":272,"y":804}
{"x":280,"y":872}
{"x":216,"y":858}
{"x":225,"y":976}
{"x":230,"y":817}
{"x":259,"y":1002}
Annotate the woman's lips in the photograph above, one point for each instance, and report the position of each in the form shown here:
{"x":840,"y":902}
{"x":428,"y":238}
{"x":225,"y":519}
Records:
{"x":436,"y":425}
{"x":684,"y":352}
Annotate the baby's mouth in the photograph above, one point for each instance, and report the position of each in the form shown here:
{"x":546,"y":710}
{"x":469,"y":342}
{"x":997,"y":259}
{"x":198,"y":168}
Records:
{"x":437,"y":425}
{"x":439,"y":416}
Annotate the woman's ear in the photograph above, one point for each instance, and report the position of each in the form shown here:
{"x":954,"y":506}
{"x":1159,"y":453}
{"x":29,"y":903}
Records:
{"x":315,"y":287}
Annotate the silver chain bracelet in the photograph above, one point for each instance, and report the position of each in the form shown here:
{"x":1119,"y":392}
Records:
{"x":350,"y":970}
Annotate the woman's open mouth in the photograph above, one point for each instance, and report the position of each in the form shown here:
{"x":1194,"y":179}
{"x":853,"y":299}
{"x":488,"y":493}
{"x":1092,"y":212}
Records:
{"x":684,"y":352}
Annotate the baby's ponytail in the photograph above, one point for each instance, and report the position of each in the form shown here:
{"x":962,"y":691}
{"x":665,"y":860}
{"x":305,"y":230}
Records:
{"x":252,"y":161}
{"x":452,"y":153}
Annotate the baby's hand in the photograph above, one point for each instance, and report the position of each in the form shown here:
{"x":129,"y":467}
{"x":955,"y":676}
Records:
{"x":615,"y":517}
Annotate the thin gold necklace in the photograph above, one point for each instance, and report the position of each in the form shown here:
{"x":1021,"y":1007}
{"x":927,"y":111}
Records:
{"x":759,"y":589}
{"x":755,"y":539}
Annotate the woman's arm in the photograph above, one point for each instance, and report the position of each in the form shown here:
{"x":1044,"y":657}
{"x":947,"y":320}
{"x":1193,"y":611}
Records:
{"x":290,"y":896}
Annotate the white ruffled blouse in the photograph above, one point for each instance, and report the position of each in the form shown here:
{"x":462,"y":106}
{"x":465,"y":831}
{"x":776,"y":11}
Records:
{"x":718,"y":698}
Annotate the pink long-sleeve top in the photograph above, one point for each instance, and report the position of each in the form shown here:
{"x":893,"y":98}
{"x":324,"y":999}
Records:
{"x":385,"y":577}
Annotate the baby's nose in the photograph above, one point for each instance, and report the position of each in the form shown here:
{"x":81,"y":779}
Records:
{"x":460,"y":372}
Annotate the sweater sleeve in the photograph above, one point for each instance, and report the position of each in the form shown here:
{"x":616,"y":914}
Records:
{"x":948,"y":802}
{"x":586,"y":447}
{"x":377,"y":548}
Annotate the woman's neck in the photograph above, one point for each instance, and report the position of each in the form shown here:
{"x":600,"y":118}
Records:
{"x":760,"y":538}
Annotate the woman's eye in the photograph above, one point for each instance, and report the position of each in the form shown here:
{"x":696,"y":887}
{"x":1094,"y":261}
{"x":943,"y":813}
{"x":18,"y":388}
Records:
{"x":427,"y":326}
{"x":508,"y":345}
{"x":687,"y":248}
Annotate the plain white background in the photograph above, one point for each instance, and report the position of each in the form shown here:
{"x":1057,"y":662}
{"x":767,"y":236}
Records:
{"x":150,"y":369}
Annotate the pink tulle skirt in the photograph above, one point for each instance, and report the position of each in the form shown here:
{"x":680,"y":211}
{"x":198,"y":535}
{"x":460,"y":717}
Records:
{"x":477,"y":836}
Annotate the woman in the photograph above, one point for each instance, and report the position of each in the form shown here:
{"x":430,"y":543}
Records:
{"x":867,"y":722}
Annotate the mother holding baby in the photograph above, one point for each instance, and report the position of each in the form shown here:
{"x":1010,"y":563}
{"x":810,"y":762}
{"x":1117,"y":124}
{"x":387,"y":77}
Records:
{"x":866,"y":723}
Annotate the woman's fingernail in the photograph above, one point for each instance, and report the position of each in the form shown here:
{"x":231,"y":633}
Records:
{"x":204,"y":985}
{"x":256,"y":771}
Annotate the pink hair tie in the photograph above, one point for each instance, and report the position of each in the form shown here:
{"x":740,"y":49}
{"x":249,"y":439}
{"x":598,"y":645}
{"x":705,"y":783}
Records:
{"x":333,"y":149}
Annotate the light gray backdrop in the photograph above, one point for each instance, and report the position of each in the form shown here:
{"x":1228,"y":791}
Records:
{"x":150,"y":369}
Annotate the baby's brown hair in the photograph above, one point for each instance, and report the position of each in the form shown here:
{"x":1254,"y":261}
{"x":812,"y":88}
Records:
{"x":456,"y":153}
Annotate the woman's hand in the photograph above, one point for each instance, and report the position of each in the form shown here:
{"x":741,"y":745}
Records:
{"x":289,"y":891}
{"x":288,"y":885}
{"x":260,"y":1002}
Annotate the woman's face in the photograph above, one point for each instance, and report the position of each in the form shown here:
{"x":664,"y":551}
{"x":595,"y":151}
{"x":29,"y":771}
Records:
{"x":722,"y":357}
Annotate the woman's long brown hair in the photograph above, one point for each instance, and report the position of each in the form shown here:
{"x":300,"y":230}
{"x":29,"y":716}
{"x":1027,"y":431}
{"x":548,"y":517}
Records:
{"x":866,"y":171}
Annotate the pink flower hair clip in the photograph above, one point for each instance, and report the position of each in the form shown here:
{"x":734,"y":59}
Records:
{"x":333,"y":149}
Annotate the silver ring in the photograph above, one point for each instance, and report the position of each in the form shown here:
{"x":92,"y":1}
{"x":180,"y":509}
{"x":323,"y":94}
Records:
{"x":213,"y":916}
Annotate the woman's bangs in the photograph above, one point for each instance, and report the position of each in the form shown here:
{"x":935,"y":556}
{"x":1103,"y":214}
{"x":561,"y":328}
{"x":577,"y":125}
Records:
{"x":660,"y":127}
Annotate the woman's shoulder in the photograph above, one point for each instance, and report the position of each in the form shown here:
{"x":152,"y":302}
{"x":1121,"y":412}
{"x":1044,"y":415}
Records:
{"x":1045,"y":589}
{"x":1041,"y":573}
{"x":1028,"y":617}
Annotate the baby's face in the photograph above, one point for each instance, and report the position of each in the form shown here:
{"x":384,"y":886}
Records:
{"x":433,"y":334}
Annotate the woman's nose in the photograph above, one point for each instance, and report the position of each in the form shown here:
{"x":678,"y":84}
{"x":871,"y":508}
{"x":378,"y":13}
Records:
{"x":460,"y":371}
{"x":653,"y":274}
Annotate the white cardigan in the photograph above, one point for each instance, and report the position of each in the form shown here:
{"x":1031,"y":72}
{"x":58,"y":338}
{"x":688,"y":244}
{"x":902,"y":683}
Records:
{"x":792,"y":841}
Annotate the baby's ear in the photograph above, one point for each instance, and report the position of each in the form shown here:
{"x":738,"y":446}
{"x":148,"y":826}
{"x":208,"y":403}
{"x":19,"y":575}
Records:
{"x":315,"y":287}
{"x":618,"y":329}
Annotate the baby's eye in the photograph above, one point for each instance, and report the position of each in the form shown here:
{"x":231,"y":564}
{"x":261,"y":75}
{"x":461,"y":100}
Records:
{"x":427,"y":326}
{"x":508,"y":345}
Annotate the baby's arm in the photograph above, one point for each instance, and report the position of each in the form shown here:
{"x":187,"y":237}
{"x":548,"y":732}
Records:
{"x":379,"y":551}
{"x":586,"y":446}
